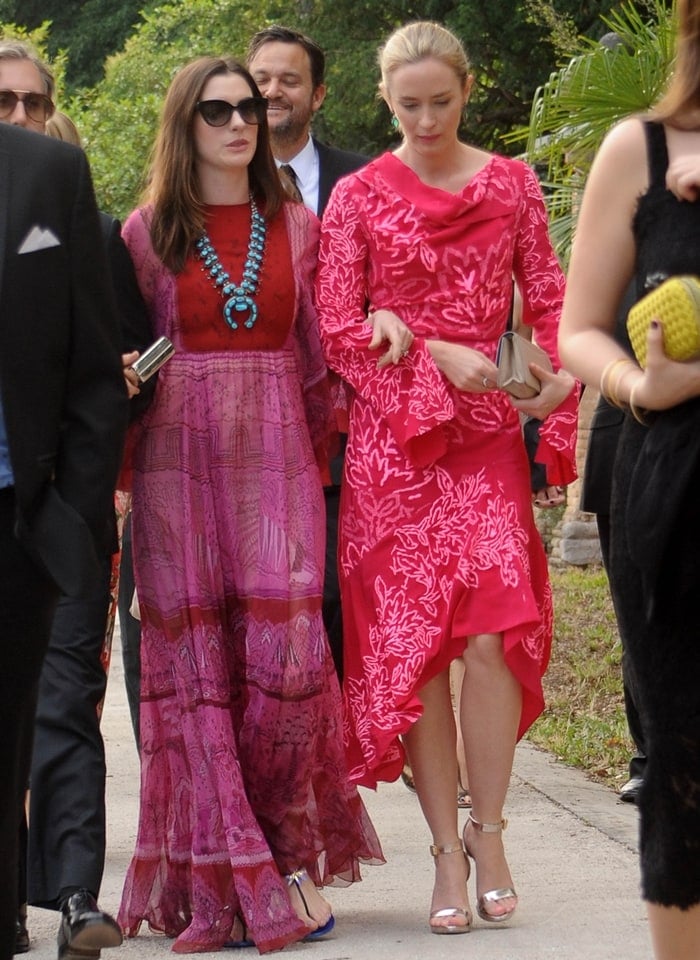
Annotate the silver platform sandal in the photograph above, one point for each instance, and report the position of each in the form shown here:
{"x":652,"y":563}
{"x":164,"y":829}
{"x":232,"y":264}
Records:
{"x":452,"y":912}
{"x":491,"y":896}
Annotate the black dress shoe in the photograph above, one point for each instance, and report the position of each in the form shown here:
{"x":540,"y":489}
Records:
{"x":629,"y":792}
{"x":21,"y":932}
{"x":85,"y":929}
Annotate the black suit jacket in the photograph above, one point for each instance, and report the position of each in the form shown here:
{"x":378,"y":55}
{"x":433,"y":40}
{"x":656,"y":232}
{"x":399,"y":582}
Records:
{"x":134,"y":322}
{"x":333,"y":164}
{"x":63,"y":394}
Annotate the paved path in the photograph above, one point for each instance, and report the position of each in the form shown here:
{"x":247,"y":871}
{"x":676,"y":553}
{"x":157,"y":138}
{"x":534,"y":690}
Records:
{"x":571,"y":846}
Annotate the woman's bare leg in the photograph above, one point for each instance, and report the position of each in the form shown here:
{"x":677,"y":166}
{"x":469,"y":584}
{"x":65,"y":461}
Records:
{"x":675,"y":933}
{"x":491,"y":703}
{"x":432,"y":748}
{"x":456,"y":682}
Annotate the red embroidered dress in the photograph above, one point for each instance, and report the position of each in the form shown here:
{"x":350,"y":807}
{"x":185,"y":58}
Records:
{"x":437,"y":538}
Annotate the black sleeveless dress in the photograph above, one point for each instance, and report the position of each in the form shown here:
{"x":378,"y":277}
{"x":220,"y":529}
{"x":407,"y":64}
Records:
{"x":655,"y":570}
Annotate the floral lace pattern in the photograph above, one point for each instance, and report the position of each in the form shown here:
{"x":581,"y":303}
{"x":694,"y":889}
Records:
{"x":437,"y":537}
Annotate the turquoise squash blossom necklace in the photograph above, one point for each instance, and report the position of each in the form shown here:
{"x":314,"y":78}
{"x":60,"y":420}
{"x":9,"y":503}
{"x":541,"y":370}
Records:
{"x":238,"y":297}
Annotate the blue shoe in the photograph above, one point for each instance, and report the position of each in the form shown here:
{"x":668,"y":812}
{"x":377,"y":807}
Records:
{"x":239,"y":944}
{"x":295,"y":880}
{"x":321,"y":931}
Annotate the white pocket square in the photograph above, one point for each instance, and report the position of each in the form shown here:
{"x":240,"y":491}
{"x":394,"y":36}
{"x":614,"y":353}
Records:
{"x":39,"y":238}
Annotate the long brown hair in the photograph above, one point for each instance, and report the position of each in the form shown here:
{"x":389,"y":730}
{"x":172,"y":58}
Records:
{"x":173,"y":189}
{"x":683,"y":95}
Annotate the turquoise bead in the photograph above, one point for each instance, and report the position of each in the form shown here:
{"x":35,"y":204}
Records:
{"x":239,"y":298}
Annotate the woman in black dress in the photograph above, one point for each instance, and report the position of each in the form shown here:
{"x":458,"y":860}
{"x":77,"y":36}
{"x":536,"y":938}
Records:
{"x":640,"y":220}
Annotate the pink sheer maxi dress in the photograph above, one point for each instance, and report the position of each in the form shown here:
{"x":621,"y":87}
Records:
{"x":243,"y":776}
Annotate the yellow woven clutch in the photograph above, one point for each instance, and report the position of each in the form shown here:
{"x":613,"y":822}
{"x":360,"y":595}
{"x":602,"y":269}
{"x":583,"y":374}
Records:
{"x":676,"y":304}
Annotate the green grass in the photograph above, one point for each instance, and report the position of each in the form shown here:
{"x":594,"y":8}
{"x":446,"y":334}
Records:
{"x":584,"y":721}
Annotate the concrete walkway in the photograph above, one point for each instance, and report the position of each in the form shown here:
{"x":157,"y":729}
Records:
{"x":571,"y":846}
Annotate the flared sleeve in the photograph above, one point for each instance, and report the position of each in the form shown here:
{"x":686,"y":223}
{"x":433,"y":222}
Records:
{"x":158,"y":288}
{"x":412,"y":396}
{"x":541,"y":283}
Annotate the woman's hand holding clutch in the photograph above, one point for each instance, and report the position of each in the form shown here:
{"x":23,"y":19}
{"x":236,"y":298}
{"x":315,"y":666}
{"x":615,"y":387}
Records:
{"x":556,"y":387}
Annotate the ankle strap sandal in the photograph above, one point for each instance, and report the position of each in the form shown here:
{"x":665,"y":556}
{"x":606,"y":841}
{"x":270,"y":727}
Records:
{"x":488,"y":827}
{"x":501,"y":893}
{"x":459,"y":919}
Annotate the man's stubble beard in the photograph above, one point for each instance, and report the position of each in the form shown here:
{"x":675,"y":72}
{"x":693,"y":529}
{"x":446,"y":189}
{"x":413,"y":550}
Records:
{"x":292,"y":130}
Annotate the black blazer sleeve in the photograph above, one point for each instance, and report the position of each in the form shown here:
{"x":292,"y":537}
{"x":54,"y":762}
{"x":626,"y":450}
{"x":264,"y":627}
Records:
{"x":334,"y":164}
{"x":134,"y":322}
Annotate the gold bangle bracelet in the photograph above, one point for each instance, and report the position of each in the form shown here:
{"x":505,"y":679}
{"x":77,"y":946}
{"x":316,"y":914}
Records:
{"x":615,"y":387}
{"x":634,"y":409}
{"x":610,"y":391}
{"x":610,"y":395}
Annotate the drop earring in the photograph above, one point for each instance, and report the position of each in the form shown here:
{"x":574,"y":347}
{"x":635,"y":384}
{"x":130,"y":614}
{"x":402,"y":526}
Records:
{"x":394,"y":121}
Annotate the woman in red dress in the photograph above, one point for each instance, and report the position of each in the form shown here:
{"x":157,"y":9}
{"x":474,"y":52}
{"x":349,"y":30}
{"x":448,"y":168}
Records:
{"x":439,"y":553}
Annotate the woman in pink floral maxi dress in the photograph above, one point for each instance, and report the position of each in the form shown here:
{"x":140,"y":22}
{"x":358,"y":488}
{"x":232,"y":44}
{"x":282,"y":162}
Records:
{"x":246,"y":806}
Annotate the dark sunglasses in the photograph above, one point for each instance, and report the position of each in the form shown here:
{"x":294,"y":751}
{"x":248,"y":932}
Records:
{"x":37,"y":106}
{"x":217,"y":113}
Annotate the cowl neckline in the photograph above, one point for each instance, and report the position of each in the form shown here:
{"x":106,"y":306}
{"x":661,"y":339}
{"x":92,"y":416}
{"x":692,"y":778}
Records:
{"x":436,"y":204}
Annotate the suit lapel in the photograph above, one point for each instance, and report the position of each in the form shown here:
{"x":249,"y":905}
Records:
{"x":326,"y":177}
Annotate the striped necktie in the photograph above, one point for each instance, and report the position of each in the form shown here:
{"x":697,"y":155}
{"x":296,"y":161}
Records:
{"x":294,"y":185}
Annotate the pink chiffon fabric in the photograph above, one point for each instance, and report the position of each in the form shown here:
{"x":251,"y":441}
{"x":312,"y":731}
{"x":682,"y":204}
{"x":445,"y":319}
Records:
{"x":243,"y":776}
{"x":437,"y":539}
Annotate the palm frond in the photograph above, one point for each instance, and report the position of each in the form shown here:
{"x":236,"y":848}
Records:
{"x":575,"y":108}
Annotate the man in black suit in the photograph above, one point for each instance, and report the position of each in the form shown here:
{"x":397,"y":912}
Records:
{"x":66,"y":844}
{"x":62,"y":420}
{"x":289,"y":69}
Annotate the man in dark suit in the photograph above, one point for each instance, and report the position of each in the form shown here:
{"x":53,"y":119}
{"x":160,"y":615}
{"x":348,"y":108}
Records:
{"x":63,"y":415}
{"x":289,"y":69}
{"x":66,"y":844}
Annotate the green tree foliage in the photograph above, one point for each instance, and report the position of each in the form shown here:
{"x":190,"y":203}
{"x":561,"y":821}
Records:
{"x":89,"y":29}
{"x":118,"y":118}
{"x":600,"y":85}
{"x":39,"y":39}
{"x":513,"y":44}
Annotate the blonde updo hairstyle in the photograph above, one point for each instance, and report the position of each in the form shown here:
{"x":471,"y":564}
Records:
{"x":418,"y":41}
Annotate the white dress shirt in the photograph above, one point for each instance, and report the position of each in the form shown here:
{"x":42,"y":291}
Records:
{"x":306,"y":170}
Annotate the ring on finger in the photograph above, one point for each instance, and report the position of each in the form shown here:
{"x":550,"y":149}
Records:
{"x":485,"y":381}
